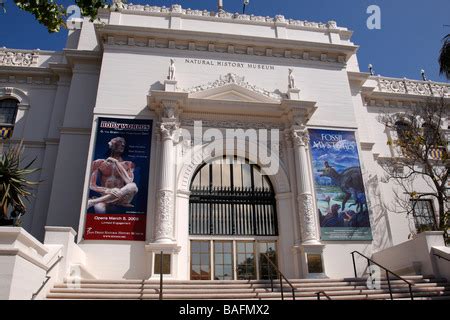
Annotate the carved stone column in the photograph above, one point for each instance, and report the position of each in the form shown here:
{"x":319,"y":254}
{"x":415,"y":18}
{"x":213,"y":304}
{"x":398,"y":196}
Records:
{"x":165,"y":194}
{"x":305,"y":199}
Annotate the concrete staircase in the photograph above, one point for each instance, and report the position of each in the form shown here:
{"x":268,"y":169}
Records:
{"x":305,"y":289}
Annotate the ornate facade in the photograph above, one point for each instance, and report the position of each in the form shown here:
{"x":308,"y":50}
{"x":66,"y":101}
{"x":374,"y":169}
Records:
{"x":275,"y":74}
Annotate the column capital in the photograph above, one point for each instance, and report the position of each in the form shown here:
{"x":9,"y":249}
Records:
{"x":168,"y":128}
{"x":300,"y":135}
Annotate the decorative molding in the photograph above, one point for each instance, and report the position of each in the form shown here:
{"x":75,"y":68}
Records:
{"x":18,"y":58}
{"x":20,"y":95}
{"x":164,"y":227}
{"x":168,"y":129}
{"x":300,"y":137}
{"x":223,"y":15}
{"x":413,"y":87}
{"x":306,"y":212}
{"x":224,"y":124}
{"x":232,"y":78}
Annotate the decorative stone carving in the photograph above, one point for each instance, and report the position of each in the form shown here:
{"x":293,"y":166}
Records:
{"x":422,"y":88}
{"x":300,"y":137}
{"x":18,"y":58}
{"x":117,"y":5}
{"x":332,"y":24}
{"x":308,"y":221}
{"x":206,"y":123}
{"x":164,"y":227}
{"x":280,"y":19}
{"x":168,"y":129}
{"x":232,"y":78}
{"x":176,"y":8}
{"x":169,"y":111}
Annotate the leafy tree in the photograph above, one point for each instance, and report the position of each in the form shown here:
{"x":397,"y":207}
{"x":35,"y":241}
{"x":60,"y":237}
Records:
{"x":444,"y":57}
{"x":14,"y":187}
{"x":422,"y":155}
{"x":53,"y":15}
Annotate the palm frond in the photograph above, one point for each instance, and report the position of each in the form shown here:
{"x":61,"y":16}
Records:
{"x":444,"y":57}
{"x":14,"y":185}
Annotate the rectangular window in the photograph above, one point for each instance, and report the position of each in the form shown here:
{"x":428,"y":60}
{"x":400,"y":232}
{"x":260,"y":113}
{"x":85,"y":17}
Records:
{"x":423,"y":214}
{"x":200,"y":260}
{"x":165,"y":263}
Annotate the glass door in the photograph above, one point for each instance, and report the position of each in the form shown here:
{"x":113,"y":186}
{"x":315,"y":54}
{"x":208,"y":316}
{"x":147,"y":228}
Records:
{"x":223,"y":260}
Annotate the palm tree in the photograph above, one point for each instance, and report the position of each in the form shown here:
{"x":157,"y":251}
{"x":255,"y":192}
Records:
{"x":14,"y":187}
{"x":444,"y":57}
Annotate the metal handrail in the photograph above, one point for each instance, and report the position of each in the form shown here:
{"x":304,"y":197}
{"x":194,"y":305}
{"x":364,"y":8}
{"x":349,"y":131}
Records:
{"x":324,"y":293}
{"x":47,"y":278}
{"x":281,"y":278}
{"x":441,"y":257}
{"x":387,"y":273}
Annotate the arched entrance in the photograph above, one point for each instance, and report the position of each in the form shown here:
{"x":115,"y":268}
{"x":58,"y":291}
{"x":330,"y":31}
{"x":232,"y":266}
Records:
{"x":232,"y":221}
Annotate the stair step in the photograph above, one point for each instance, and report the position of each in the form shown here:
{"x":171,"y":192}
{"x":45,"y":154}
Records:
{"x":424,"y":288}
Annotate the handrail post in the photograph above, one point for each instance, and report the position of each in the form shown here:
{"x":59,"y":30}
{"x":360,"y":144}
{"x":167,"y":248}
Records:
{"x":410,"y":292}
{"x":281,"y":286}
{"x":354,"y":264}
{"x":161,"y":277}
{"x":270,"y":272}
{"x":389,"y":284}
{"x":318,"y":295}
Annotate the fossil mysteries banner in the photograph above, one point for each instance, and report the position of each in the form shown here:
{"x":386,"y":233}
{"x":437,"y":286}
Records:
{"x":341,"y":200}
{"x":118,"y":181}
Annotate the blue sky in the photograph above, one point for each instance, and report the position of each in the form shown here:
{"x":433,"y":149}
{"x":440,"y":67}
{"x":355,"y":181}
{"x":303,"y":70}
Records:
{"x":409,"y":39}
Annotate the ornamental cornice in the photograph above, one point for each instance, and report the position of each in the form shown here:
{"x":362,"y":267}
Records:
{"x":178,"y":10}
{"x":120,"y":37}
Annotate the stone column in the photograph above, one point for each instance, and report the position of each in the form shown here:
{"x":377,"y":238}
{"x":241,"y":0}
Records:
{"x":307,"y":215}
{"x":165,"y":194}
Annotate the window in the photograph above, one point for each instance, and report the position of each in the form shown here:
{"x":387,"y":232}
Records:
{"x":8,"y":112}
{"x":423,"y":214}
{"x":200,"y":260}
{"x":231,"y":197}
{"x":402,"y":128}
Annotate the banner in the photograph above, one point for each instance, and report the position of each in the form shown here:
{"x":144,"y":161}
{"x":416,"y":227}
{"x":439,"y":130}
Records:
{"x":340,"y":195}
{"x":118,"y":183}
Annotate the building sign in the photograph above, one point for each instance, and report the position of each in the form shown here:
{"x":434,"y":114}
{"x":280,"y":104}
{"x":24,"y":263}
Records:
{"x":229,"y":64}
{"x":340,"y":195}
{"x":118,"y":183}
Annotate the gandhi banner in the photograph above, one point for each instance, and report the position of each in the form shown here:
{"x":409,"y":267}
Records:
{"x":340,"y":195}
{"x":118,"y":183}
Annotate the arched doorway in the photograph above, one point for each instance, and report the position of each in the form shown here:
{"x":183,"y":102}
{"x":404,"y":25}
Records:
{"x":232,"y":221}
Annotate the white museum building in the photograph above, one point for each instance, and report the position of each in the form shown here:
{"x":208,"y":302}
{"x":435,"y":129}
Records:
{"x":205,"y":147}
